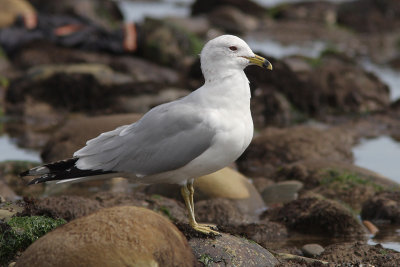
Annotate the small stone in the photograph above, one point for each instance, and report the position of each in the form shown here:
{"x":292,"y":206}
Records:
{"x":371,"y":227}
{"x":119,"y":236}
{"x":312,"y":250}
{"x":282,"y":192}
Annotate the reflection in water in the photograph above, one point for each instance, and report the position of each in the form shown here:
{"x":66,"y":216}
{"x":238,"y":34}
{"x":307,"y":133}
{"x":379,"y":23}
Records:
{"x":388,"y":237}
{"x":10,"y":151}
{"x":381,"y":155}
{"x":387,"y":75}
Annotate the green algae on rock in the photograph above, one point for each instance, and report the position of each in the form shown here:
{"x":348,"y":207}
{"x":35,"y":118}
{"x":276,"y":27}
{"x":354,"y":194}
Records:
{"x":19,"y":232}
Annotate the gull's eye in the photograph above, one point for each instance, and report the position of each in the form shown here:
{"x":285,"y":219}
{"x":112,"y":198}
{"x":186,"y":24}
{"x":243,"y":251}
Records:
{"x":233,"y":48}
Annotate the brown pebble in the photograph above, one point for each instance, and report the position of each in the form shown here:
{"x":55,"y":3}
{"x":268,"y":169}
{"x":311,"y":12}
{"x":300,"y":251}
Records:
{"x":371,"y":227}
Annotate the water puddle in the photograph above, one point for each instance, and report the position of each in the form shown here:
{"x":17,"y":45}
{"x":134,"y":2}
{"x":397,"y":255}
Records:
{"x":10,"y":151}
{"x":380,"y":154}
{"x":137,"y":11}
{"x":277,"y":50}
{"x":388,"y":75}
{"x":388,"y":237}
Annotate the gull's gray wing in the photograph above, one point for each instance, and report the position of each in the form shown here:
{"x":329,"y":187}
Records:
{"x":166,"y":138}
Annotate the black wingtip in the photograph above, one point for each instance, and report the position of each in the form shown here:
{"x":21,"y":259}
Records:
{"x":23,"y":174}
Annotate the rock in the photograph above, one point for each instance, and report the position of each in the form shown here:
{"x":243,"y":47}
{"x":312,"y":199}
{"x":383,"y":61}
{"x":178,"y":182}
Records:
{"x":66,"y":207}
{"x":6,"y":193}
{"x":227,"y":250}
{"x":377,"y":17}
{"x":225,"y":183}
{"x":310,"y":12}
{"x":312,"y":250}
{"x":357,"y":253}
{"x":19,"y":232}
{"x":168,"y":44}
{"x":248,"y":7}
{"x":266,"y":233}
{"x":385,"y":206}
{"x":274,"y":147}
{"x":73,"y":207}
{"x":260,"y":183}
{"x":45,"y":53}
{"x":117,"y":236}
{"x":311,"y":92}
{"x":102,"y":12}
{"x":373,"y":230}
{"x":356,"y":91}
{"x":232,"y":20}
{"x":9,"y":210}
{"x":345,"y":182}
{"x":318,"y":217}
{"x":281,"y":192}
{"x":218,"y":211}
{"x":271,"y":108}
{"x":78,"y":129}
{"x":12,"y":9}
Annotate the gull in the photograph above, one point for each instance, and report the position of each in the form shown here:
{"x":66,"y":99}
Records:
{"x":178,"y":141}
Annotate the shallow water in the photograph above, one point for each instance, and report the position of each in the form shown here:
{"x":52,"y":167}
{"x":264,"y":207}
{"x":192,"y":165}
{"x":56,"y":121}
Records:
{"x":381,"y":155}
{"x":137,"y":11}
{"x":277,"y":50}
{"x":10,"y":151}
{"x":388,"y":237}
{"x":388,"y":75}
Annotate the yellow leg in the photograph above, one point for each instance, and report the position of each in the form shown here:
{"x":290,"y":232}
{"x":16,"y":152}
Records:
{"x":187,"y":192}
{"x":191,"y":194}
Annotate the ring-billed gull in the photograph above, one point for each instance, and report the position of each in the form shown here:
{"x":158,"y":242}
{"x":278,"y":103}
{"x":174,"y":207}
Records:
{"x":178,"y":141}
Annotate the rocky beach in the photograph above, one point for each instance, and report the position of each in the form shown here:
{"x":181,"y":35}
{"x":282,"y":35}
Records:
{"x":306,"y":192}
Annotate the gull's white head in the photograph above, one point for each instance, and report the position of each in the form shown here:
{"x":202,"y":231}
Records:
{"x":227,"y":53}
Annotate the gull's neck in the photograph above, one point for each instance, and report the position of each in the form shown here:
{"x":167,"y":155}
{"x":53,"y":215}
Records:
{"x":230,"y":87}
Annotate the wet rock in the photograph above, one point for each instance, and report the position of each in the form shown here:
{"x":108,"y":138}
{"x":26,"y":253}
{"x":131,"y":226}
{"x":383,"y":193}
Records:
{"x":102,"y":12}
{"x":6,"y":193}
{"x":316,"y":11}
{"x":325,"y":89}
{"x":360,"y":253}
{"x":169,"y":208}
{"x":227,"y":250}
{"x":346,"y":182}
{"x":281,"y":192}
{"x":44,"y":53}
{"x":385,"y":206}
{"x":232,"y":20}
{"x":355,"y":90}
{"x":225,"y":183}
{"x":274,"y":147}
{"x":270,"y":107}
{"x":319,"y":217}
{"x":66,"y":207}
{"x":78,"y":129}
{"x":312,"y":250}
{"x":90,"y":235}
{"x":248,"y":7}
{"x":377,"y":16}
{"x":218,"y":211}
{"x":168,"y":44}
{"x":265,"y":233}
{"x":197,"y":25}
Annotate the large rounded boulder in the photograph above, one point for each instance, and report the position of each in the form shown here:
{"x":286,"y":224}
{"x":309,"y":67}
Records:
{"x":119,"y":236}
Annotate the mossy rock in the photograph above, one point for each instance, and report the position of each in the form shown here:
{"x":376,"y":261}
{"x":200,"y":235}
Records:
{"x":169,"y":44}
{"x":19,"y":232}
